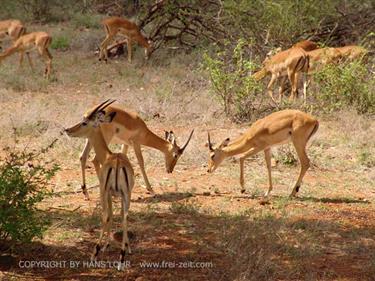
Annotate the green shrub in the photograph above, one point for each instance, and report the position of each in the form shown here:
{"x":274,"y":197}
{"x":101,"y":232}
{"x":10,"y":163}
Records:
{"x":239,"y":93}
{"x":24,"y":177}
{"x":86,"y":20}
{"x":346,"y":84}
{"x":61,"y":43}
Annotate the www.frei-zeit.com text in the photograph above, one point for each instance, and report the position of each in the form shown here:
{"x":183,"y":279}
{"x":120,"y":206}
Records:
{"x":27,"y":264}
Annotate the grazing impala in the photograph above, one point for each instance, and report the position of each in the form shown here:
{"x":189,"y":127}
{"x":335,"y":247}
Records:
{"x":277,"y":128}
{"x":13,"y":28}
{"x":116,"y":175}
{"x":130,"y":30}
{"x":288,"y":62}
{"x":129,"y":129}
{"x":34,"y":40}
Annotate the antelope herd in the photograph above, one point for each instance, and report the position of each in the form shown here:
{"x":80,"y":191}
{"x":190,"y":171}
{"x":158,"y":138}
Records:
{"x":106,"y":123}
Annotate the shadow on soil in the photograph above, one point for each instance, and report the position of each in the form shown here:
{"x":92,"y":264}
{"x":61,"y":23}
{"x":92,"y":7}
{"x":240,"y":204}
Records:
{"x":260,"y":246}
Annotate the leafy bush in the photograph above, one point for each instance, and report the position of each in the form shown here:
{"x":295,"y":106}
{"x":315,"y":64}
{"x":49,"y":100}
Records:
{"x":232,"y":83}
{"x":86,"y":20}
{"x":24,"y":178}
{"x":60,"y":43}
{"x":346,"y":84}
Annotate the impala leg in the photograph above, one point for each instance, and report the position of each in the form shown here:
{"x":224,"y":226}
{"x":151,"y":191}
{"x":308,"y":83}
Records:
{"x":83,"y":159}
{"x":43,"y":51}
{"x":97,"y":166}
{"x":292,"y":78}
{"x":125,"y":245}
{"x":300,"y":145}
{"x":129,"y":43}
{"x":269,"y":86}
{"x":306,"y":84}
{"x":124,"y":149}
{"x":138,"y":154}
{"x":242,"y":162}
{"x":30,"y":61}
{"x":103,"y":46}
{"x":21,"y":59}
{"x":47,"y":55}
{"x":267,"y":156}
{"x":109,"y":220}
{"x":282,"y":87}
{"x":106,"y":224}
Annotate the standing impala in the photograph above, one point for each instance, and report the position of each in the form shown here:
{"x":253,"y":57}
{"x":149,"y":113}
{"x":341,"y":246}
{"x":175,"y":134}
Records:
{"x":284,"y":64}
{"x":116,"y":175}
{"x":277,"y":128}
{"x":130,"y":30}
{"x":34,"y":40}
{"x":129,"y":129}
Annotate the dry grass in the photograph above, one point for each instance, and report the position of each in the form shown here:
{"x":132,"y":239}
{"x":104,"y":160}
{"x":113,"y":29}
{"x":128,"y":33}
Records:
{"x":326,"y":234}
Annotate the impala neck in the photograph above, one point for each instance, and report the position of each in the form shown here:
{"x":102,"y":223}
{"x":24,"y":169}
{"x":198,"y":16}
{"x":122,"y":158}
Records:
{"x":8,"y":52}
{"x":238,"y":146}
{"x":100,"y":146}
{"x":156,"y":142}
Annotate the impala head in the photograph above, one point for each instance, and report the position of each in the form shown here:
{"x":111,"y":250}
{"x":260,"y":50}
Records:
{"x":91,"y":121}
{"x":217,"y":155}
{"x":271,"y":54}
{"x":149,"y":49}
{"x":174,"y":151}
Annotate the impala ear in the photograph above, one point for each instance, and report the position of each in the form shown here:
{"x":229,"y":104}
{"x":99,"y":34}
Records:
{"x":107,"y":118}
{"x":224,"y":143}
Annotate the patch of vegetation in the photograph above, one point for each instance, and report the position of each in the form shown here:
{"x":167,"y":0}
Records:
{"x":24,"y":181}
{"x":366,"y":158}
{"x":187,"y":208}
{"x":61,"y":43}
{"x":86,"y":20}
{"x":286,"y":155}
{"x":346,"y":84}
{"x":241,"y":96}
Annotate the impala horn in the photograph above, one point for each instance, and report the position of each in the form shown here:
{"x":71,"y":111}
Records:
{"x":101,"y":107}
{"x":187,"y":142}
{"x":209,"y":142}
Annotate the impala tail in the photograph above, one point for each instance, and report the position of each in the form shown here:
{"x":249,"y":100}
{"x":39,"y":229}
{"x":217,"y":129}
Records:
{"x":316,"y":127}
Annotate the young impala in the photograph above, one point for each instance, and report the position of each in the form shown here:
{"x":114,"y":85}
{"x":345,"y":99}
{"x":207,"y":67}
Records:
{"x":277,"y":128}
{"x":130,"y":30}
{"x":129,"y":129}
{"x":34,"y":40}
{"x":284,"y":64}
{"x":116,"y":175}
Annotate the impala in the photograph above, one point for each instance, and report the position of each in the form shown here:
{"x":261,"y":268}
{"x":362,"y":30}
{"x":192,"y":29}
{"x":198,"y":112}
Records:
{"x":116,"y":174}
{"x":13,"y":28}
{"x":129,"y":129}
{"x":288,"y":62}
{"x":130,"y":30}
{"x":277,"y":128}
{"x":34,"y":40}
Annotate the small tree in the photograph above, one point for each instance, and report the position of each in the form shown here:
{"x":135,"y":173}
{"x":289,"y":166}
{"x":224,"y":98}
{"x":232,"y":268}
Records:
{"x":24,"y":178}
{"x":231,"y":80}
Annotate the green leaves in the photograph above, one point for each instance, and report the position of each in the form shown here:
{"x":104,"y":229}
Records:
{"x":24,"y":180}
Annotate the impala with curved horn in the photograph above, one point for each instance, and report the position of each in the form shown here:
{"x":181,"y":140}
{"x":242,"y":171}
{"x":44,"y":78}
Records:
{"x":129,"y":129}
{"x":116,"y":175}
{"x":277,"y":128}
